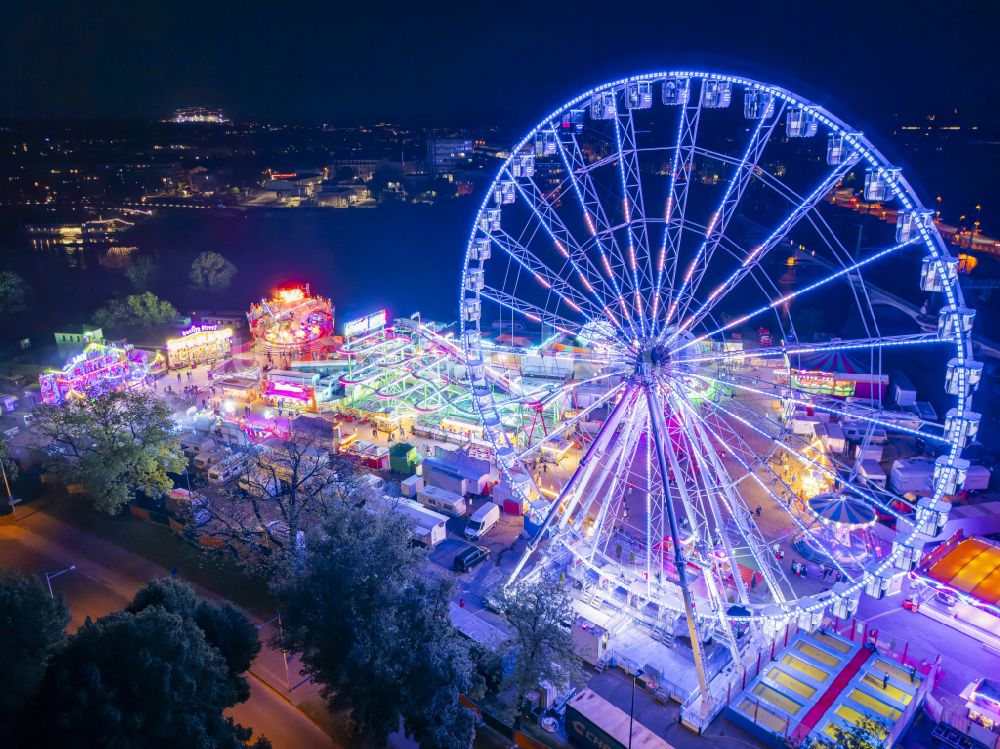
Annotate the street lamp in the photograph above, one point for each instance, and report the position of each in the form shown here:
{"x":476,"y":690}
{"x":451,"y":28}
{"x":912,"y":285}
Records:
{"x":631,"y":710}
{"x":50,"y":576}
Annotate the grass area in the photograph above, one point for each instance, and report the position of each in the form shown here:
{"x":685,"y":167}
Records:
{"x":210,"y":570}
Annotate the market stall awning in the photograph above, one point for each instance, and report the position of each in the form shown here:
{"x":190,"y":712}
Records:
{"x":842,"y":510}
{"x":834,"y":362}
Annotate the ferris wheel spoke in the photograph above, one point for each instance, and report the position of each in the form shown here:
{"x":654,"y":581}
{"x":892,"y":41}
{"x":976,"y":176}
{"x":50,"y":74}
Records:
{"x":633,"y":208}
{"x":784,"y":504}
{"x":680,"y":182}
{"x":757,"y":254}
{"x":590,"y":202}
{"x":567,"y":427}
{"x":890,"y":420}
{"x":552,"y":281}
{"x":612,"y":500}
{"x":531,"y":311}
{"x":836,"y":478}
{"x":719,"y":220}
{"x":554,"y":226}
{"x":785,"y":298}
{"x":849,"y":344}
{"x":740,"y":515}
{"x":717,"y":490}
{"x":595,"y":219}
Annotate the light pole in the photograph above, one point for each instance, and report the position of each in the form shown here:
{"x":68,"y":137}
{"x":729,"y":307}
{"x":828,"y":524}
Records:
{"x":50,"y":576}
{"x":631,"y":710}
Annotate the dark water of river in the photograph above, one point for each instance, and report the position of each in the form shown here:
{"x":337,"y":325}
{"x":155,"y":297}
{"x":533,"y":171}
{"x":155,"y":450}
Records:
{"x":403,"y":257}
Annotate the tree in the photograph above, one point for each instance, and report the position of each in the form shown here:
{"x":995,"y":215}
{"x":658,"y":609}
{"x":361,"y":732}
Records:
{"x":115,"y":444}
{"x":225,"y":626}
{"x":290,"y":486}
{"x":375,"y":633}
{"x":148,"y":679}
{"x":135,"y":312}
{"x":10,"y":465}
{"x":210,"y":270}
{"x":14,"y":293}
{"x":541,"y":646}
{"x":32,"y":627}
{"x":141,"y":272}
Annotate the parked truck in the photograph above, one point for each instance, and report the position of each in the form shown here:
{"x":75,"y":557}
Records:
{"x":594,"y":723}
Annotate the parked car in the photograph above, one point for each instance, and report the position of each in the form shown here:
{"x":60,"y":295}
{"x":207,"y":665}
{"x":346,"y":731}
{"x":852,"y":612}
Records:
{"x":469,"y":557}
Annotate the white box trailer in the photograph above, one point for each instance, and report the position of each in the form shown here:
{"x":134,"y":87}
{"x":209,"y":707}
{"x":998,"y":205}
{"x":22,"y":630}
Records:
{"x":903,"y":391}
{"x":868,"y":452}
{"x":442,"y":500}
{"x":911,"y":475}
{"x":428,"y":528}
{"x":835,"y":440}
{"x":410,"y":486}
{"x":871,"y":471}
{"x":977,"y":479}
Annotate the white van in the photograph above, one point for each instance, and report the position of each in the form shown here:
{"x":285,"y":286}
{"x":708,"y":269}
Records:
{"x":482,"y":521}
{"x":442,"y":500}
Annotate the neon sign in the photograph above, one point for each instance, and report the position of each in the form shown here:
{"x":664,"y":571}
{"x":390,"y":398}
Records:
{"x":198,"y":335}
{"x":374,"y":321}
{"x":199,"y":328}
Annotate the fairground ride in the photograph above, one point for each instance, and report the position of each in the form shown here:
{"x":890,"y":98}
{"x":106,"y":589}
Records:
{"x":657,"y":221}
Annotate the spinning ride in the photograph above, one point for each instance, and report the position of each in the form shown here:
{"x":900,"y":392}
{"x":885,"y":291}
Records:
{"x":291,"y":320}
{"x":657,"y":222}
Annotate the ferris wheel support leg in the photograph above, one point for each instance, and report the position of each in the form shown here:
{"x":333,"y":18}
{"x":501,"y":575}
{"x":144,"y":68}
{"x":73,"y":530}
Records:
{"x":658,"y":435}
{"x":583,"y":472}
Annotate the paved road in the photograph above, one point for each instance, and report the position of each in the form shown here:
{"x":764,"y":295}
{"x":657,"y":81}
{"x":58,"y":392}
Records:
{"x":105,"y":579}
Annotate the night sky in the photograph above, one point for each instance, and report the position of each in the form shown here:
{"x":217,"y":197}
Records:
{"x":467,"y":63}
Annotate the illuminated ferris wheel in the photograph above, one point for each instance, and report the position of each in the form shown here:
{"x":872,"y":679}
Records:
{"x":724,"y":281}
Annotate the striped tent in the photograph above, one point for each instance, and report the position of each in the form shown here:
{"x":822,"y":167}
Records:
{"x":843,"y":510}
{"x":834,"y":362}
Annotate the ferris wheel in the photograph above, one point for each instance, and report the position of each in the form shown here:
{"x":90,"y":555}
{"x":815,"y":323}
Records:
{"x":722,"y":279}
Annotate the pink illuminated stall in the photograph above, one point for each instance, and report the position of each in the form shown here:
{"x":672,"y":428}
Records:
{"x":99,"y":369}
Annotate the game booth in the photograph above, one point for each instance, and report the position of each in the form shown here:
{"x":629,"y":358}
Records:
{"x":292,"y":320}
{"x":199,"y":344}
{"x":291,"y":390}
{"x":100,"y":368}
{"x":834,"y":373}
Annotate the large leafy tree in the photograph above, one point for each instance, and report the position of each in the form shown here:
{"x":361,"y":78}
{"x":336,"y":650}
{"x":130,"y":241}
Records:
{"x":141,"y":272}
{"x":14,"y":293}
{"x":10,"y":465}
{"x":147,"y":679}
{"x":114,"y":444}
{"x":375,"y":633}
{"x":135,"y":312}
{"x":210,"y":270}
{"x":225,"y":626}
{"x":289,"y":487}
{"x":541,"y":646}
{"x":32,"y":626}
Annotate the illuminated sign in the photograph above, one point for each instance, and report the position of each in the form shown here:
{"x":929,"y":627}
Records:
{"x":199,"y":335}
{"x":375,"y":321}
{"x":198,"y":329}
